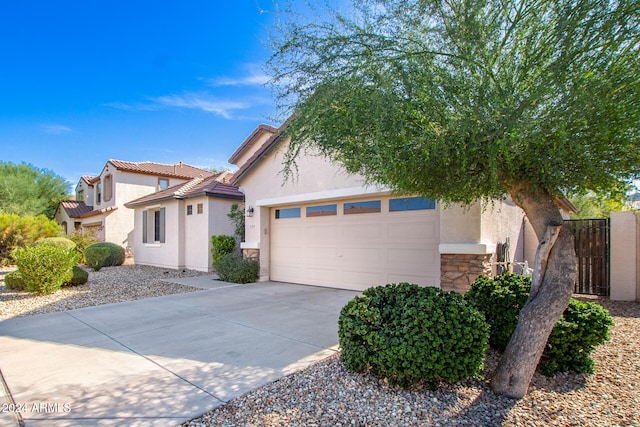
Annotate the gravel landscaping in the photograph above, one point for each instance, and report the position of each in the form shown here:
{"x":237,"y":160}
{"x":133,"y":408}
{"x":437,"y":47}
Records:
{"x":325,"y":394}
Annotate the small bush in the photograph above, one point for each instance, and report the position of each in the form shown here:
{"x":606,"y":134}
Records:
{"x":13,"y":280}
{"x":222,"y":245}
{"x":82,"y":241}
{"x":44,"y":268}
{"x":408,"y":334}
{"x":235,"y":269}
{"x":20,"y":231}
{"x":56,"y":241}
{"x":78,"y":277}
{"x":103,"y":254}
{"x":582,"y":327}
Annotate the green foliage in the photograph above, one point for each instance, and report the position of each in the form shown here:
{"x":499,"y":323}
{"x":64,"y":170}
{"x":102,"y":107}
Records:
{"x":45,"y":268}
{"x":590,"y":205}
{"x":236,"y":214}
{"x":582,"y":327}
{"x":29,"y":191}
{"x":82,"y":241}
{"x":13,"y":280}
{"x":78,"y":277}
{"x":56,"y":241}
{"x":408,"y":334}
{"x":235,"y":269}
{"x":103,"y":254}
{"x":466,"y":99}
{"x":222,"y":245}
{"x":501,"y":300}
{"x":20,"y":231}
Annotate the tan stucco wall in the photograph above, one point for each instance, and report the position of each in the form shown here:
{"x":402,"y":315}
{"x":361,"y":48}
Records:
{"x":625,"y":256}
{"x":160,"y":254}
{"x":253,"y":147}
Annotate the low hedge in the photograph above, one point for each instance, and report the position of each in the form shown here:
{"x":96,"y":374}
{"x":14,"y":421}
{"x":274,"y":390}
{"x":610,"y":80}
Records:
{"x":103,"y":254}
{"x":45,"y":268}
{"x":14,"y":281}
{"x":56,"y":241}
{"x":582,"y":327}
{"x":408,"y":334}
{"x":235,"y":269}
{"x":78,"y":277}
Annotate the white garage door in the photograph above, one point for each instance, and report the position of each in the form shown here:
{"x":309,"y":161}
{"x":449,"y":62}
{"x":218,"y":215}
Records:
{"x":356,"y":244}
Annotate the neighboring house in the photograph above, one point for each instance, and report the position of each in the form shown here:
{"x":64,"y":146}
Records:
{"x":173,"y":227}
{"x":99,"y":200}
{"x":325,"y":227}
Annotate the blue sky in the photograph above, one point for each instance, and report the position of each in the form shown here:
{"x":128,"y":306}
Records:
{"x":166,"y":81}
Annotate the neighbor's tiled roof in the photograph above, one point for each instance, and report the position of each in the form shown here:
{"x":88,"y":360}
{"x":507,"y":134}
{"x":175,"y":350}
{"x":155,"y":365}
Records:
{"x":78,"y":209}
{"x":178,"y":170}
{"x":75,"y":208}
{"x":88,"y":179}
{"x":197,"y":187}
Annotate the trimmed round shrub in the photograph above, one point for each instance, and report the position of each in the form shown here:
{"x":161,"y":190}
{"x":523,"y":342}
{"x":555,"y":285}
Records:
{"x":408,"y":334}
{"x":582,"y":327}
{"x":44,"y":268}
{"x":103,"y":254}
{"x":500,"y":299}
{"x":235,"y":269}
{"x":13,"y":280}
{"x":222,"y":245}
{"x":78,"y":277}
{"x":56,"y":241}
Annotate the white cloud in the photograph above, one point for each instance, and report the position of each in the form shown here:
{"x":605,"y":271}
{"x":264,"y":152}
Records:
{"x":55,"y":129}
{"x":223,"y":108}
{"x":252,"y":80}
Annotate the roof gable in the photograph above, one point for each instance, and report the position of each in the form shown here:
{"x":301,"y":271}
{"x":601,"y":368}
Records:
{"x":251,"y":140}
{"x":258,"y":155}
{"x":177,"y":170}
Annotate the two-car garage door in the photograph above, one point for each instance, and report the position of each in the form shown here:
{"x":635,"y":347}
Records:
{"x":356,"y":244}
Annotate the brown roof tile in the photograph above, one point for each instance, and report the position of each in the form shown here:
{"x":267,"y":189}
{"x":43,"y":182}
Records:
{"x":197,"y":187}
{"x":75,"y":208}
{"x":259,"y":154}
{"x":177,"y":170}
{"x":247,"y":142}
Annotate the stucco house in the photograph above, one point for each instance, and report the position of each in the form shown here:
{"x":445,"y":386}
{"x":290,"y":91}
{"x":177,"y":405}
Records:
{"x":173,"y":227}
{"x":326,"y":227}
{"x":99,"y":204}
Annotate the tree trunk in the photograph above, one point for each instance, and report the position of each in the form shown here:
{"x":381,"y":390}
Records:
{"x":555,"y":271}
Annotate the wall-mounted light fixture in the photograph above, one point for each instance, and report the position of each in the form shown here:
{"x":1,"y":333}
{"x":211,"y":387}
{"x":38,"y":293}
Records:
{"x":250,"y":211}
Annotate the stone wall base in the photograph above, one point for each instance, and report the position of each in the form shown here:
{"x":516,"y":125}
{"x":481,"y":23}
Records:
{"x":253,"y":254}
{"x":459,"y":271}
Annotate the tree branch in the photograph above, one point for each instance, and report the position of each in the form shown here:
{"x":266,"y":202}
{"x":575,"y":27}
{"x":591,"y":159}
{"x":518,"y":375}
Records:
{"x":542,"y":255}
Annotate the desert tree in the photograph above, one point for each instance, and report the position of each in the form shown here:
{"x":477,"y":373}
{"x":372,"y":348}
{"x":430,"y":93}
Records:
{"x":467,"y":100}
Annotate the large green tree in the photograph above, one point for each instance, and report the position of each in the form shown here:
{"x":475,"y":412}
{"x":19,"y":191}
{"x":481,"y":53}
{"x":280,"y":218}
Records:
{"x":465,"y":100}
{"x":29,"y":191}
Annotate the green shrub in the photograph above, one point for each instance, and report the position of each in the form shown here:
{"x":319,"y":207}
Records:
{"x":103,"y":254}
{"x":13,"y":280}
{"x":409,"y":334}
{"x":501,"y":300}
{"x":582,"y":327}
{"x":56,"y":241}
{"x":235,"y":269}
{"x":44,"y":268}
{"x":222,"y":245}
{"x":78,"y":277}
{"x":82,"y":241}
{"x":20,"y":231}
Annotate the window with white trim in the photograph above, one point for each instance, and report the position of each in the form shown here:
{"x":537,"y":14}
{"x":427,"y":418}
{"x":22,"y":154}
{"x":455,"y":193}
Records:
{"x":153,"y":225}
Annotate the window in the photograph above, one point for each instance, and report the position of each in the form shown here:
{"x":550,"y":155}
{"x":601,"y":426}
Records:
{"x":80,"y":195}
{"x":108,"y":187}
{"x":411,"y":204}
{"x":163,"y":183}
{"x":372,"y":206}
{"x":288,"y":213}
{"x":200,"y":208}
{"x":189,"y":209}
{"x":153,"y":224}
{"x":324,"y":210}
{"x":98,"y":193}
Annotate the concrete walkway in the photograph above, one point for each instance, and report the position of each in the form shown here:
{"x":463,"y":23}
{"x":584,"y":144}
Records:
{"x":162,"y":361}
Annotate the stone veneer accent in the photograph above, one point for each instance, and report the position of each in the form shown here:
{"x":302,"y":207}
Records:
{"x":458,"y":271}
{"x":253,"y":254}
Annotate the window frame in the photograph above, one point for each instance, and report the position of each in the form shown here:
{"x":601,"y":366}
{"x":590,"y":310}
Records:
{"x":289,"y":213}
{"x":365,"y":204}
{"x":154,"y":224}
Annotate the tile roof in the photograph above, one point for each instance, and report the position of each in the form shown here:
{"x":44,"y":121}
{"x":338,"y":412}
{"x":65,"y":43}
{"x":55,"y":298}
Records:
{"x":197,"y":187}
{"x":259,"y":154}
{"x":247,"y":142}
{"x":75,"y":208}
{"x":177,"y":170}
{"x":88,"y":179}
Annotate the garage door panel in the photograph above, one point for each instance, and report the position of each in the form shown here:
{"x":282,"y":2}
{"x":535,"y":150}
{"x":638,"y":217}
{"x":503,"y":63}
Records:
{"x":356,"y":251}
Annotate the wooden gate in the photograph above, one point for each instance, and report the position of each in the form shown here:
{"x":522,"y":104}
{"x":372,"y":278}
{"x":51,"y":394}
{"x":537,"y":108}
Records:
{"x":592,"y":250}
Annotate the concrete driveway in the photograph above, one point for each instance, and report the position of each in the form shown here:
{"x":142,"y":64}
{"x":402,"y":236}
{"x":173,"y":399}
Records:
{"x":162,"y":361}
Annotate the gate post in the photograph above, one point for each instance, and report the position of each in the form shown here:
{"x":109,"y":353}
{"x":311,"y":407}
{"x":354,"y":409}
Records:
{"x":625,"y":256}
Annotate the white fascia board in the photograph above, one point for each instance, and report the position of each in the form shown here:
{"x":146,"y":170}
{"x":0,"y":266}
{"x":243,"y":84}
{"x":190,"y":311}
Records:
{"x":340,"y":193}
{"x":467,"y":248}
{"x":249,"y":245}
